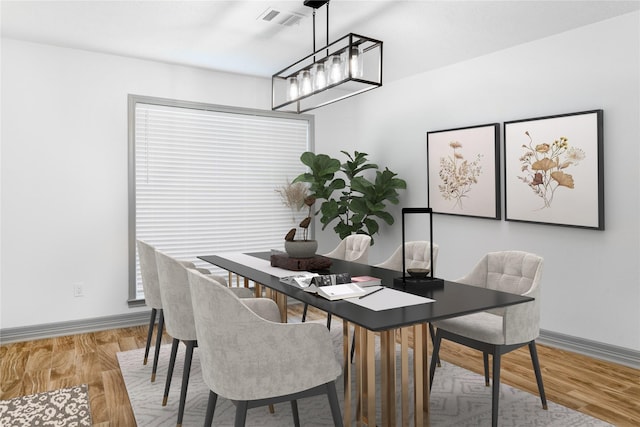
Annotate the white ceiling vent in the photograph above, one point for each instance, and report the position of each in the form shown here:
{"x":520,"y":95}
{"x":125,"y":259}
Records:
{"x":288,"y":19}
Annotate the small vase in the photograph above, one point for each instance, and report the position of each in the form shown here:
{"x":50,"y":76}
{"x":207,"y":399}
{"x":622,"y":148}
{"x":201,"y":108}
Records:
{"x":301,"y":248}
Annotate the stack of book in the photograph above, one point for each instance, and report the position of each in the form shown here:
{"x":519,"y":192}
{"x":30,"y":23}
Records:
{"x":332,"y":286}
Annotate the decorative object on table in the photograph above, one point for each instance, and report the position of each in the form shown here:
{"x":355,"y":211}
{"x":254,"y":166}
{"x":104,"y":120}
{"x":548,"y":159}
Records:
{"x":366,"y":280}
{"x":302,"y":280}
{"x":362,"y":202}
{"x":295,"y":196}
{"x":331,"y":279}
{"x":463,"y":171}
{"x":428,"y":279}
{"x":342,"y":291}
{"x":343,"y":68}
{"x":418,"y":273}
{"x":554,"y":170}
{"x":315,"y":263}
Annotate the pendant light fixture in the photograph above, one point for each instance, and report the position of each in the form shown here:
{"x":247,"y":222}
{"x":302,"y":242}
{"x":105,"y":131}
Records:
{"x":339,"y":70}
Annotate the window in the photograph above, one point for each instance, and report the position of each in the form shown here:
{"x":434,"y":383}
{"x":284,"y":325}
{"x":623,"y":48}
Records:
{"x":202,"y":178}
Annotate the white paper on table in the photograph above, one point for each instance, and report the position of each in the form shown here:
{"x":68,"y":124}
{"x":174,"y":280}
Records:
{"x":387,"y":299}
{"x":258,"y":264}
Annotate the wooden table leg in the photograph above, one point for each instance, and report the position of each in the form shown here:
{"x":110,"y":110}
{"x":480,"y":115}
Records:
{"x":421,"y":384}
{"x":370,"y":359}
{"x":404,"y":375}
{"x":388,"y":377}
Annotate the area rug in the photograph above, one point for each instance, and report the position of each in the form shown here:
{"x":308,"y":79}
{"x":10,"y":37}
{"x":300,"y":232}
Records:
{"x":66,"y":407}
{"x":458,"y":398}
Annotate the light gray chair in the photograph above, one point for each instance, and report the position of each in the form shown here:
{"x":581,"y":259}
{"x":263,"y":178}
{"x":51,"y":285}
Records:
{"x":417,"y":255}
{"x":353,"y":248}
{"x":255,"y":362}
{"x":151,"y":287}
{"x":178,"y":313}
{"x":502,"y":330}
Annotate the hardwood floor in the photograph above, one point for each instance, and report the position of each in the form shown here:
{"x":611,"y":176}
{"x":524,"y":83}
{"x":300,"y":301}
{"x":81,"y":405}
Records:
{"x":604,"y":390}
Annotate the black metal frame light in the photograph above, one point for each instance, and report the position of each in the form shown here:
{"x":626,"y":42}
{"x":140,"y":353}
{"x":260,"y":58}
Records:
{"x":339,"y":70}
{"x":429,"y":280}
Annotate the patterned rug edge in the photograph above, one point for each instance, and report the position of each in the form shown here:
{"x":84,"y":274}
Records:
{"x":63,"y":407}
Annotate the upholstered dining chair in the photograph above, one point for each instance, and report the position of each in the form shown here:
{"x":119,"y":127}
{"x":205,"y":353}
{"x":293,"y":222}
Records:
{"x":151,"y":287}
{"x":178,"y":313}
{"x":354,"y":248}
{"x":295,"y":360}
{"x":417,"y":255}
{"x":502,"y":330}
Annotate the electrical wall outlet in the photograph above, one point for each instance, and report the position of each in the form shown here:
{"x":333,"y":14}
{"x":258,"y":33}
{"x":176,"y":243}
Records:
{"x":78,"y":289}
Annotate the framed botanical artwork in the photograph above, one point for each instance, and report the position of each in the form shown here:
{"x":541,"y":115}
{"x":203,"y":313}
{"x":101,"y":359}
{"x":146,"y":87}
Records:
{"x":463,"y":171}
{"x":553,"y":170}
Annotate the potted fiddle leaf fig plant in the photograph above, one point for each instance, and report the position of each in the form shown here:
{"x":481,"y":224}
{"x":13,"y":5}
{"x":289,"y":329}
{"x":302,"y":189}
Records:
{"x":362,"y":202}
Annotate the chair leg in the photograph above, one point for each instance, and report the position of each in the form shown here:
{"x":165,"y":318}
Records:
{"x":188,"y":357}
{"x":304,"y":312}
{"x":496,"y":389}
{"x":432,"y":332}
{"x":536,"y":368}
{"x":152,"y":322}
{"x":241,"y":413}
{"x":329,"y":321}
{"x":172,"y":362}
{"x":334,"y":405}
{"x":211,"y":407}
{"x":434,"y":358}
{"x":156,"y":353}
{"x":485,"y":360}
{"x":294,"y":411}
{"x":353,"y":345}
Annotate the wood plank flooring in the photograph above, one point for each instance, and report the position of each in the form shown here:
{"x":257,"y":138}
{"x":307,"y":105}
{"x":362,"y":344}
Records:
{"x":604,"y":390}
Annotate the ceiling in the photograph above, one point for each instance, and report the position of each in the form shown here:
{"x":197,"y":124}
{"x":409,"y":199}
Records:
{"x":231,"y":36}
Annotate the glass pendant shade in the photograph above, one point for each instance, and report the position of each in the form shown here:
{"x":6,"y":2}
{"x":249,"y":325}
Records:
{"x":335,"y":69}
{"x":320,"y":77}
{"x":305,"y":83}
{"x":355,"y":62}
{"x":292,"y":88}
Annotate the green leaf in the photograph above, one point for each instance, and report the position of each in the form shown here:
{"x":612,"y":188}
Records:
{"x":361,"y":200}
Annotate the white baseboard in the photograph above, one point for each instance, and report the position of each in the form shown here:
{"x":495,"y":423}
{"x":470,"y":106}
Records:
{"x":35,"y":332}
{"x":595,"y":349}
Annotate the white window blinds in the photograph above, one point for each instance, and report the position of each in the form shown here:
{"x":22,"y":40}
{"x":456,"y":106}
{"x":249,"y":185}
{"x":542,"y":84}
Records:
{"x":205,"y":178}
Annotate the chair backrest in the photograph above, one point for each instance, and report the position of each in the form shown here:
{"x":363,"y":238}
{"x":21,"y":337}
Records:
{"x":176,"y":297}
{"x":516,"y":272}
{"x":353,"y":248}
{"x":417,"y":255}
{"x":245,"y":357}
{"x":149,"y":274}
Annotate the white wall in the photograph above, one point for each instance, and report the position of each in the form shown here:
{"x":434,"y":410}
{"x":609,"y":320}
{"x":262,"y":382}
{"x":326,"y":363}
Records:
{"x":64,"y":172}
{"x":591,"y":285}
{"x":64,"y":169}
